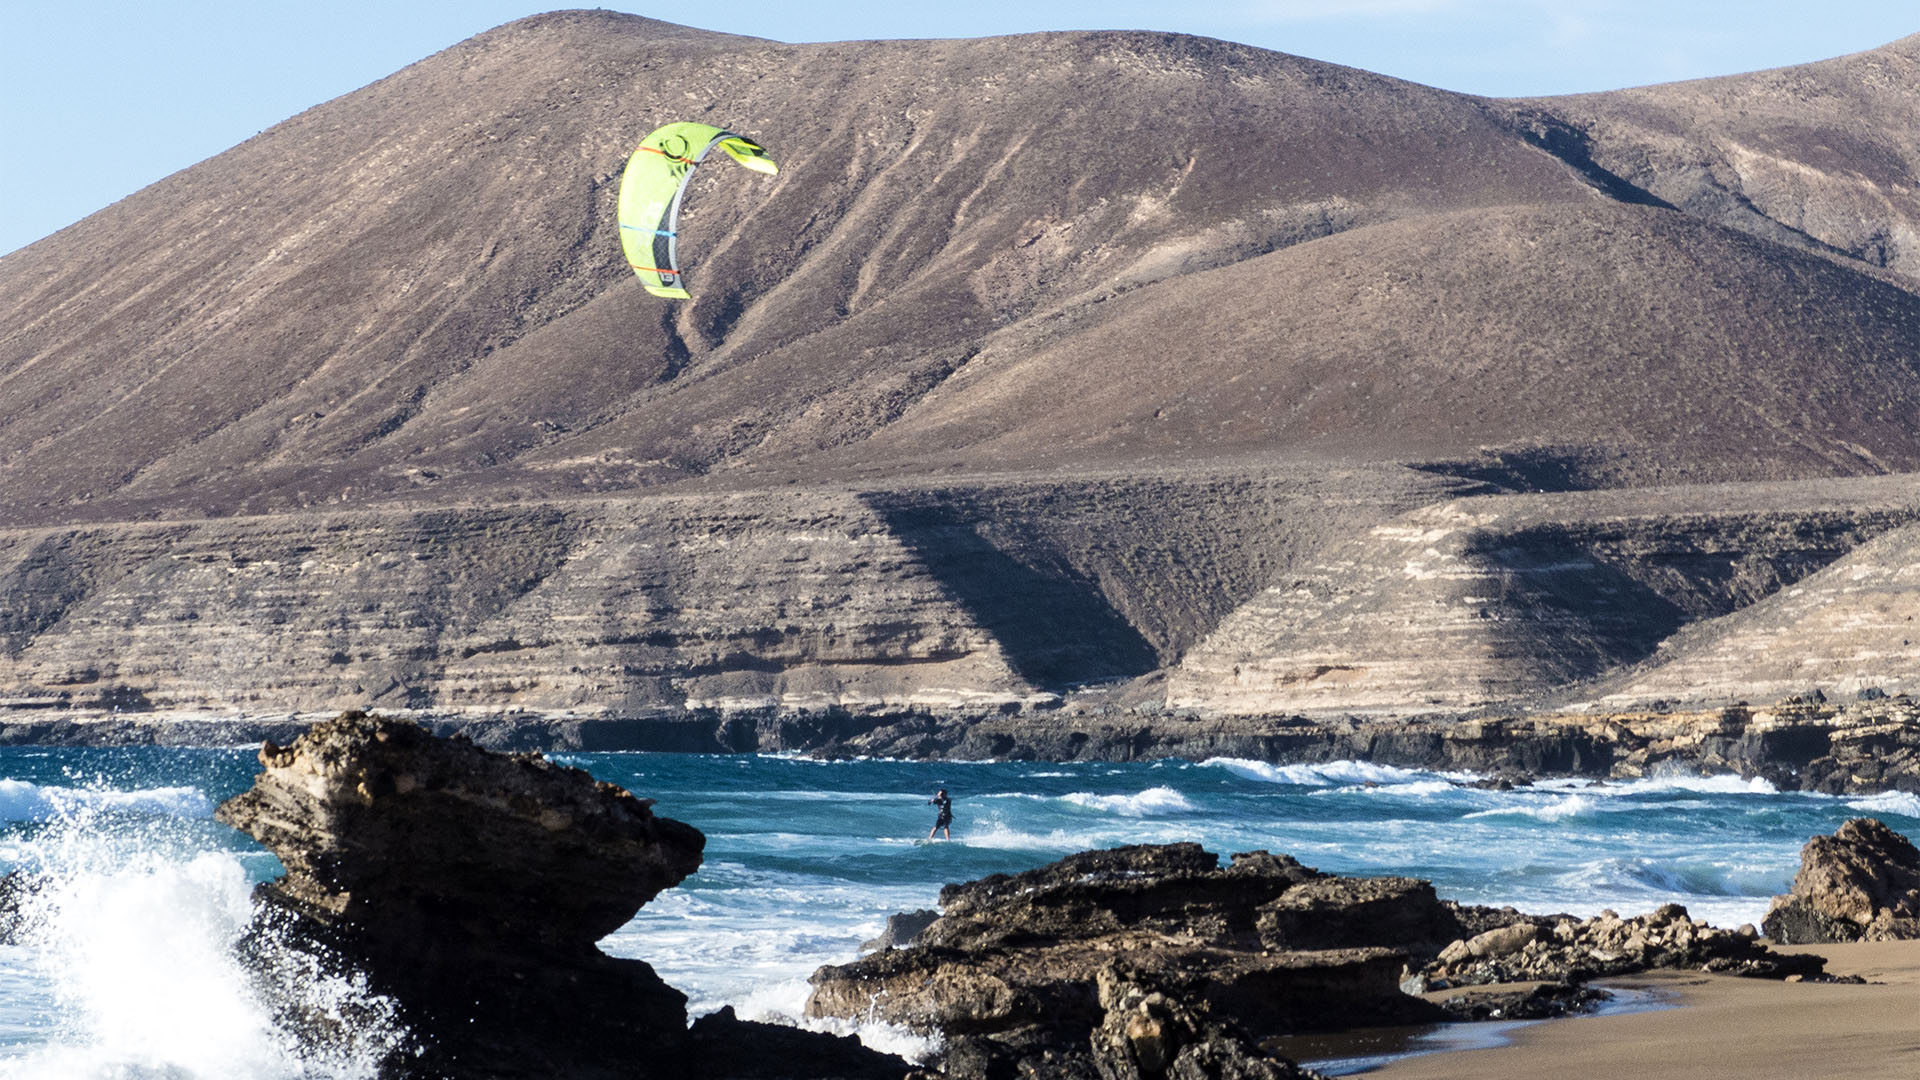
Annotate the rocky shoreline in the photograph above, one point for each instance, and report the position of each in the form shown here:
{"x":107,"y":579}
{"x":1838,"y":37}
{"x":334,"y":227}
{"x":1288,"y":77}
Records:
{"x":469,"y":888}
{"x":1799,"y":745}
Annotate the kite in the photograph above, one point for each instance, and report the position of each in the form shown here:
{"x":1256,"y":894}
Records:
{"x":650,"y":191}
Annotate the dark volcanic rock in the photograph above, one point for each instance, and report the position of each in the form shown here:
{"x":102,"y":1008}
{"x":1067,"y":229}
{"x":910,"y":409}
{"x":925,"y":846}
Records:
{"x":901,"y":930}
{"x":1861,"y":883}
{"x":1153,"y":961}
{"x":407,"y":837}
{"x":1345,"y":913}
{"x":471,"y":887}
{"x":1561,"y":949}
{"x":1144,"y":957}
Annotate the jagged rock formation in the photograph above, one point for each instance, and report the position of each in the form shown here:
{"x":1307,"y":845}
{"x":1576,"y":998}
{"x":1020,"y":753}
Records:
{"x":1140,"y":957}
{"x":1131,"y":961}
{"x":471,"y":888}
{"x":926,"y":437}
{"x":1564,"y":949}
{"x":1860,"y":884}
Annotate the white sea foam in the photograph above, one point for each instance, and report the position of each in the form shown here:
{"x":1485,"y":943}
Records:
{"x":1149,"y":803}
{"x":133,"y":949}
{"x":1722,"y":784}
{"x":1330,"y":773}
{"x":1560,"y":809}
{"x":21,"y":800}
{"x":1902,"y":803}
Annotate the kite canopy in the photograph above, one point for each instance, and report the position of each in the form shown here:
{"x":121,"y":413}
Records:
{"x":650,"y":192}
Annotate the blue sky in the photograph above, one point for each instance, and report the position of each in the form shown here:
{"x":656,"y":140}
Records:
{"x":99,"y":99}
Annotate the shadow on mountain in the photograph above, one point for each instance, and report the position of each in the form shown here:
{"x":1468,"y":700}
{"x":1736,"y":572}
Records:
{"x":1055,"y":625}
{"x":1534,"y":468}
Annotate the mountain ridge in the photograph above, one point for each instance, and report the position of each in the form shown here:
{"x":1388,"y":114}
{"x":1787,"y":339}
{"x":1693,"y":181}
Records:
{"x":1141,"y":324}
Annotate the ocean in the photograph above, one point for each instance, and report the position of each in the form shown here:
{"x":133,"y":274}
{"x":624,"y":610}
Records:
{"x":123,"y":968}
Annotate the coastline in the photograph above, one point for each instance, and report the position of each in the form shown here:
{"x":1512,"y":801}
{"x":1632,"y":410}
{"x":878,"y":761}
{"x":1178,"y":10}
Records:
{"x":1851,"y":748}
{"x":1722,"y":1027}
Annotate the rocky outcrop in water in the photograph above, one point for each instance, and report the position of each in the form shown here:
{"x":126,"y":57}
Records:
{"x":1155,"y":961}
{"x":1860,"y":884}
{"x":1145,"y":961}
{"x":470,"y":887}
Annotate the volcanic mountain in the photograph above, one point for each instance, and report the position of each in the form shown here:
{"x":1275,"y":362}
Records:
{"x":1041,"y":358}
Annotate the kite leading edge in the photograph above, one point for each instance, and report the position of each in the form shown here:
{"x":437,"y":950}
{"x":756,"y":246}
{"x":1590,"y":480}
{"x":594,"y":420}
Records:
{"x":650,"y":191}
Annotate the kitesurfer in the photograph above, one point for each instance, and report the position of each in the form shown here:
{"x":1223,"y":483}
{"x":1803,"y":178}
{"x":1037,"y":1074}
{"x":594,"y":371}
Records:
{"x":943,"y":823}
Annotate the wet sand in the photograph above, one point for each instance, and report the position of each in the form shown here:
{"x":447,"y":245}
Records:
{"x":1750,"y":1029}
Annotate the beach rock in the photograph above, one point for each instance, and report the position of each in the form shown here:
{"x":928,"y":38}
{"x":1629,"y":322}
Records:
{"x":901,"y":930}
{"x":1860,"y":884}
{"x":1167,"y":888}
{"x":1340,"y":913}
{"x":470,"y":887}
{"x":1142,"y":961}
{"x":1564,"y":950}
{"x":1147,"y":1034}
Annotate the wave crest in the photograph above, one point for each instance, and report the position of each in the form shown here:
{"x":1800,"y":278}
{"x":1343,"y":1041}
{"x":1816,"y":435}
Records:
{"x":22,"y":800}
{"x":1149,"y":803}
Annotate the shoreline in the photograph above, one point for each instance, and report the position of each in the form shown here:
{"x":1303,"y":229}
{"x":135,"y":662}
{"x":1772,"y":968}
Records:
{"x":1720,"y":1026}
{"x":1853,"y":748}
{"x":1364,"y":1051}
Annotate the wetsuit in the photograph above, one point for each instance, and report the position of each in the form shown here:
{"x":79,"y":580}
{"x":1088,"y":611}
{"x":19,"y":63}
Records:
{"x":945,"y":805}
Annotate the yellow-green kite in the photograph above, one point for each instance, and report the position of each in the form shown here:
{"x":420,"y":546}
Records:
{"x":650,"y":192}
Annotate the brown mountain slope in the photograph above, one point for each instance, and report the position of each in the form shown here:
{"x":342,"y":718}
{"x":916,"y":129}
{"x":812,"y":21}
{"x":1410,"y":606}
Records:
{"x":423,"y":275}
{"x":1825,"y":155}
{"x":1044,"y":361}
{"x":1667,"y":349}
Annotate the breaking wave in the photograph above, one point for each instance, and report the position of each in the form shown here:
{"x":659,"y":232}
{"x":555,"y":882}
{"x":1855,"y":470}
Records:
{"x":1149,"y":803}
{"x":21,"y":800}
{"x":1333,"y":773}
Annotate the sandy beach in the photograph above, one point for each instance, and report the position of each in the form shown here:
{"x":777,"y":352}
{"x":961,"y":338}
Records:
{"x":1729,"y":1027}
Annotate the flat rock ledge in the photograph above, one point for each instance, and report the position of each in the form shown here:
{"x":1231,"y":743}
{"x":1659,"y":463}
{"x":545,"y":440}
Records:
{"x":470,"y":887}
{"x":1860,"y":884}
{"x":1155,"y":961}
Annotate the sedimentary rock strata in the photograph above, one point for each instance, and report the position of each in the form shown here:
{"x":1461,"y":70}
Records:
{"x":1860,"y":884}
{"x":1490,"y":600}
{"x":470,"y":887}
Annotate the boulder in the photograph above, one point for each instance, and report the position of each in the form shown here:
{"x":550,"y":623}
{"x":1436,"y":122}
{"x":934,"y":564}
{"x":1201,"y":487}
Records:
{"x":1338,"y":913}
{"x":1860,"y":884}
{"x":470,"y":887}
{"x":1170,"y":888}
{"x":416,"y":839}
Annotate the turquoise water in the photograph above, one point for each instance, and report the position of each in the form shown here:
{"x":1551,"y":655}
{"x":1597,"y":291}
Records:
{"x":124,"y":971}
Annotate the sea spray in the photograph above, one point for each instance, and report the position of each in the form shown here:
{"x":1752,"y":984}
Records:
{"x":133,"y":929}
{"x":805,"y":859}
